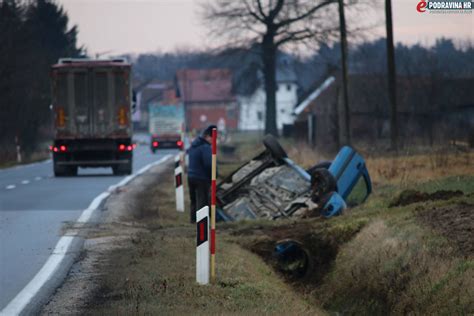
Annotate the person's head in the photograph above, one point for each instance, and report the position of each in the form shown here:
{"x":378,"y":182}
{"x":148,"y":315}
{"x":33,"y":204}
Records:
{"x":207,"y":133}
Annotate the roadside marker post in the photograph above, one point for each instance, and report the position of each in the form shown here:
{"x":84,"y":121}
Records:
{"x":202,"y":246}
{"x":213,"y":204}
{"x":178,"y":180}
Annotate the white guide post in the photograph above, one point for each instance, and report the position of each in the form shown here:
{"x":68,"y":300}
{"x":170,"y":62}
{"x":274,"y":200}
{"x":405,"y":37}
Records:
{"x":178,"y":180}
{"x":202,"y":246}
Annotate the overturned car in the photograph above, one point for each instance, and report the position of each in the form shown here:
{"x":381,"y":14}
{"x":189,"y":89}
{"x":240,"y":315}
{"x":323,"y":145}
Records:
{"x":272,"y":186}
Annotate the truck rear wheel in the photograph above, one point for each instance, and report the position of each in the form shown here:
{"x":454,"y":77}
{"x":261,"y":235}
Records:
{"x":59,"y":171}
{"x":123,"y":169}
{"x":64,"y":171}
{"x":72,"y":171}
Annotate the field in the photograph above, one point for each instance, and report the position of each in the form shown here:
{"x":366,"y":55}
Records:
{"x":408,"y":249}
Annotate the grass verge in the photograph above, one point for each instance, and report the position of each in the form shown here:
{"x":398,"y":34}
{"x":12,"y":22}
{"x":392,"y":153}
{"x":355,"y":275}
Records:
{"x":378,"y":258}
{"x":155,"y":272}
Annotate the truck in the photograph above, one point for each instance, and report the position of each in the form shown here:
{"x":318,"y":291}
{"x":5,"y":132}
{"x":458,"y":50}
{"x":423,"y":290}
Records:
{"x":92,"y":101}
{"x":166,"y":124}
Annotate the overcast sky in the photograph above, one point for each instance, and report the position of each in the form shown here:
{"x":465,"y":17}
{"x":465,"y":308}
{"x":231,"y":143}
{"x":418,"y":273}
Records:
{"x":138,"y":26}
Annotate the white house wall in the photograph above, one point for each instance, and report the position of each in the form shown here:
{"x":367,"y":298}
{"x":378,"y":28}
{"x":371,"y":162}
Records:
{"x":250,"y":107}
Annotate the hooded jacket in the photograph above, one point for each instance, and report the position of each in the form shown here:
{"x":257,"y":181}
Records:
{"x":200,"y":160}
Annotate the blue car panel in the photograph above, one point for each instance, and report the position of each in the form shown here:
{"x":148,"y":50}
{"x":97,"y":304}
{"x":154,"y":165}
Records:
{"x":347,"y":168}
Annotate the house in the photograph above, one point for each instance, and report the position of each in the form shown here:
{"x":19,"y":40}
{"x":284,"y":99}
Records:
{"x":427,"y":109}
{"x":252,"y":107}
{"x":208,"y":98}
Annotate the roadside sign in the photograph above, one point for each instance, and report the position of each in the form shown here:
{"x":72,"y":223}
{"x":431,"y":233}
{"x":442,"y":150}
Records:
{"x":202,"y":245}
{"x":178,"y":180}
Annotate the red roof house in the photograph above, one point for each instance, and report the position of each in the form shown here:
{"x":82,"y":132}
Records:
{"x":207,"y":97}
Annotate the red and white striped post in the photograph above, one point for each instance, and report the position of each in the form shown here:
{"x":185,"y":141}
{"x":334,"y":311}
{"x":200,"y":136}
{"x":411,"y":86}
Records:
{"x":202,"y":246}
{"x":178,"y":181}
{"x":213,"y":204}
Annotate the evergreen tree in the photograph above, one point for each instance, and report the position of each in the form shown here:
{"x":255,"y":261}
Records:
{"x":33,"y":36}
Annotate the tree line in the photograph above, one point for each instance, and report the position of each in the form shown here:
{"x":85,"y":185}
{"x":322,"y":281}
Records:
{"x":33,"y":35}
{"x":444,"y":57}
{"x":438,"y":73}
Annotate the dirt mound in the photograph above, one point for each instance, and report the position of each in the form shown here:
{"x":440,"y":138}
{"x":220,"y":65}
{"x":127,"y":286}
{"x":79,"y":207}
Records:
{"x":412,"y":196}
{"x":455,"y":222}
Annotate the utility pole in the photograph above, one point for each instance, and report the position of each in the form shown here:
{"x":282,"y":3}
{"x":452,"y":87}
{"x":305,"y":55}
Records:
{"x":392,"y":84}
{"x":347,"y":114}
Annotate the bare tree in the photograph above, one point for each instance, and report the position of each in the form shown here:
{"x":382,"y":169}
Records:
{"x":272,"y":23}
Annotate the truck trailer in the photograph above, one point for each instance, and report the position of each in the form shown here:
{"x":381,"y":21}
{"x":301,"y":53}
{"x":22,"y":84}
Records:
{"x":92,"y":105}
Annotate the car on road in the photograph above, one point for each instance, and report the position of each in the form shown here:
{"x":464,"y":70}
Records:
{"x":273,"y":186}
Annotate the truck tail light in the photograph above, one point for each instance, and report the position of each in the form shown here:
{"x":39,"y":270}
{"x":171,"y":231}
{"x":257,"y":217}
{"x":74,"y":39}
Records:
{"x":155,"y":144}
{"x":122,"y":116}
{"x":123,"y":147}
{"x":60,"y":117}
{"x":56,"y":149}
{"x":179,"y":143}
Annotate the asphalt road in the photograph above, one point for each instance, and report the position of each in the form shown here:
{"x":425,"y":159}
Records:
{"x":34,"y":205}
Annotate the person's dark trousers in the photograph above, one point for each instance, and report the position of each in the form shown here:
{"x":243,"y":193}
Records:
{"x":199,"y":195}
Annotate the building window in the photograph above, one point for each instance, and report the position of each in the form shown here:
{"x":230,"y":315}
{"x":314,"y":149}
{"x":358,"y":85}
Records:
{"x":260,"y":116}
{"x":288,"y":87}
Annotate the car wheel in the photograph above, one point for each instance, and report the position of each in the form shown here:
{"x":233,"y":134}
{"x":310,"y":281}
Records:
{"x":322,"y":183}
{"x":274,"y":147}
{"x":320,"y":165}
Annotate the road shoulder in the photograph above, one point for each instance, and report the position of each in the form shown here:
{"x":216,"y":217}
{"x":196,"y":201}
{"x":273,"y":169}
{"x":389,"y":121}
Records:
{"x":108,"y":230}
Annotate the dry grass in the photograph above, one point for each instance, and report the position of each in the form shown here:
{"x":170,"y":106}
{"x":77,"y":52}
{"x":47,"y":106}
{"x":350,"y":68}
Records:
{"x":407,"y":169}
{"x":389,"y":269}
{"x":412,"y":166}
{"x":155,"y":273}
{"x":403,"y":169}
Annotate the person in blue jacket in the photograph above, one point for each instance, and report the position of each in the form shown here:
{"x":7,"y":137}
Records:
{"x":199,"y":171}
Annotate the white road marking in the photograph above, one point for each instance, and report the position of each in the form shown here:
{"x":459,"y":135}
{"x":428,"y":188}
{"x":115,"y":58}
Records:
{"x":11,"y":186}
{"x":22,"y":299}
{"x":16,"y":306}
{"x":37,"y":178}
{"x":87,"y":213}
{"x":25,"y":181}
